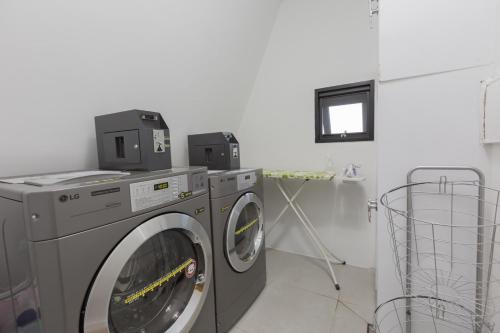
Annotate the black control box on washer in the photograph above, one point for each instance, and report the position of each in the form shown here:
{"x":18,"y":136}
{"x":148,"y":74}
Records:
{"x":133,"y":140}
{"x":216,"y":151}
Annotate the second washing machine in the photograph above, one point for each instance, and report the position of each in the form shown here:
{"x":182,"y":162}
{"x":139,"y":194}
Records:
{"x":238,"y":242}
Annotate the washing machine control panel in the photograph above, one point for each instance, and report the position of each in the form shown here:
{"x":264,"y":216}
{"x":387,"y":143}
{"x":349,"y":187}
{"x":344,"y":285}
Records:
{"x":156,"y":192}
{"x":245,"y":178}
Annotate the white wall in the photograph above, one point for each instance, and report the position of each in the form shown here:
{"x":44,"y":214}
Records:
{"x":314,"y":44}
{"x":453,"y":34}
{"x":427,"y":120}
{"x":431,"y":120}
{"x":494,"y":149}
{"x":63,"y":62}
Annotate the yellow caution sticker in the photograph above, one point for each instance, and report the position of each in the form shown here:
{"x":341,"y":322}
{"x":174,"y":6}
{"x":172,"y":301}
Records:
{"x":158,"y":283}
{"x":225,"y":209}
{"x":200,"y":210}
{"x":184,"y":195}
{"x":246,"y":227}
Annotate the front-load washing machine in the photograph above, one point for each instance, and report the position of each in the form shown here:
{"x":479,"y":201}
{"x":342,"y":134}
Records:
{"x":238,"y":242}
{"x":108,"y":253}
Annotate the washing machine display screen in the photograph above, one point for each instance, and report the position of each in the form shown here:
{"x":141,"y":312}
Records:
{"x":161,"y":186}
{"x":155,"y":284}
{"x":247,"y":229}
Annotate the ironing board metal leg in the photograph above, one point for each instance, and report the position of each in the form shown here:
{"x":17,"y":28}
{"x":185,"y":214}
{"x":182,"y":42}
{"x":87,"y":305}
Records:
{"x":311,"y":226}
{"x":311,"y":234}
{"x":285,"y":208}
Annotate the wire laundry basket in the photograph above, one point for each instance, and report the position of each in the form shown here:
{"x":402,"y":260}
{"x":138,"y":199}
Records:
{"x":428,"y":314}
{"x":443,"y":234}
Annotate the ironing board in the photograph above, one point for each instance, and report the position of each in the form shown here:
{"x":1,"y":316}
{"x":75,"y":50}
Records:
{"x":279,"y":176}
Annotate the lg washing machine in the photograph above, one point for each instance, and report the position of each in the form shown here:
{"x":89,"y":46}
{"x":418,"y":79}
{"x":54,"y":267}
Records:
{"x":117,"y":253}
{"x":238,"y":242}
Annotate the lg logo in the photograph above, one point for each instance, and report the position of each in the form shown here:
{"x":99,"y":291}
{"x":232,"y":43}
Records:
{"x":64,"y":197}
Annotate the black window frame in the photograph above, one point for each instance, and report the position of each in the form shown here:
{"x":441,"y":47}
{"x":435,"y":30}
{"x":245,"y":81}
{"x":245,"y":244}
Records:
{"x":346,"y":91}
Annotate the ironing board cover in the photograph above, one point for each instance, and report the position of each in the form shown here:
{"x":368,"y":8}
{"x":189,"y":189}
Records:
{"x":305,"y":175}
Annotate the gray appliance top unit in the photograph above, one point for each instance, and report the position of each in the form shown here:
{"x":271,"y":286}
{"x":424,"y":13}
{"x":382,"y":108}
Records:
{"x":217,"y":151}
{"x":82,"y":203}
{"x":133,"y":140}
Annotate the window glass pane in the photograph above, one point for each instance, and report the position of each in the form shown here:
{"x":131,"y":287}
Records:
{"x":346,"y":118}
{"x":345,"y":113}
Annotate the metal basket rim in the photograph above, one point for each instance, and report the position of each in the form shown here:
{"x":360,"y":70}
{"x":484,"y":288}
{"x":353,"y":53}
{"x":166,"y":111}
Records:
{"x":422,"y":297}
{"x":404,"y":213}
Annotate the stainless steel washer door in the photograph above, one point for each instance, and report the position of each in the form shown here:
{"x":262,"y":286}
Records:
{"x":155,"y":280}
{"x":245,"y":232}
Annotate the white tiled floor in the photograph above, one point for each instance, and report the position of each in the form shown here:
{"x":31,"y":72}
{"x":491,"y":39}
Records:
{"x":300,"y":297}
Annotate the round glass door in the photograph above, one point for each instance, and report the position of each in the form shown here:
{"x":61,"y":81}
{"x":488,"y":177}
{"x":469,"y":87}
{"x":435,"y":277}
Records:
{"x":155,"y":284}
{"x":156,"y":279}
{"x":245,"y":232}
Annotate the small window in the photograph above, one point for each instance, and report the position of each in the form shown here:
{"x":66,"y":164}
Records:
{"x":345,"y":113}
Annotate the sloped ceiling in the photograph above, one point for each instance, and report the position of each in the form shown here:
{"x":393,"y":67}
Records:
{"x":62,"y":62}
